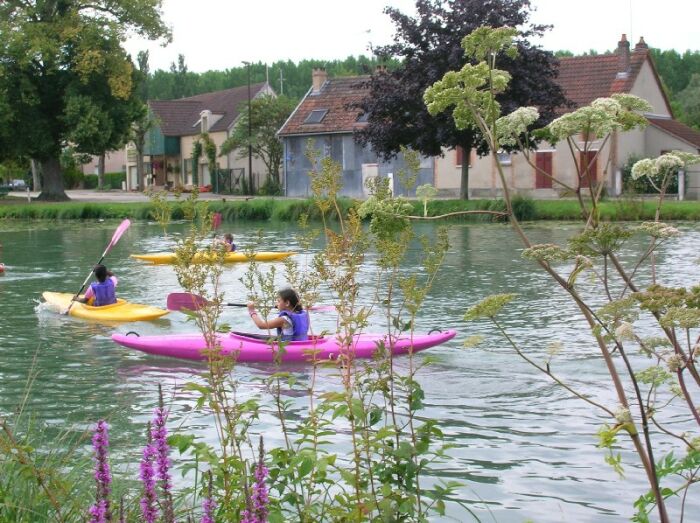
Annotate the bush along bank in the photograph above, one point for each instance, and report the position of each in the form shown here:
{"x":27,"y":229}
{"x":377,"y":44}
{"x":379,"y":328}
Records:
{"x":284,"y":209}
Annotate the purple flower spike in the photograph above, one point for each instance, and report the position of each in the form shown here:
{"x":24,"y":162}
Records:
{"x":257,"y":510}
{"x":208,"y":505}
{"x":159,"y":435}
{"x":149,"y":510}
{"x":100,"y":511}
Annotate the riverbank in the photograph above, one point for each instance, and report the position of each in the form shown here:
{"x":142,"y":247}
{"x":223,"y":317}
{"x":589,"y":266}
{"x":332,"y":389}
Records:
{"x":117,"y":205}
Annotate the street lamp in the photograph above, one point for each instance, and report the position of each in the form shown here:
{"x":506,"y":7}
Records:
{"x":250,"y":134}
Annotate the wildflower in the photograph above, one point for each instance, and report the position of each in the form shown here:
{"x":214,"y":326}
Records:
{"x":624,"y":331}
{"x":257,"y":511}
{"x":658,"y":230}
{"x":511,"y":126}
{"x":488,"y":307}
{"x":208,"y":505}
{"x":147,"y":475}
{"x":675,"y":363}
{"x":548,"y":252}
{"x":100,"y":511}
{"x":623,"y":415}
{"x":159,"y":435}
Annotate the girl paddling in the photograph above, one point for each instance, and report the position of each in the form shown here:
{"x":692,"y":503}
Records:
{"x":292,"y":322}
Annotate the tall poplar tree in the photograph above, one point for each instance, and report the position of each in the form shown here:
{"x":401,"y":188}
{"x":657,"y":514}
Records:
{"x":428,"y":46}
{"x":65,"y":77}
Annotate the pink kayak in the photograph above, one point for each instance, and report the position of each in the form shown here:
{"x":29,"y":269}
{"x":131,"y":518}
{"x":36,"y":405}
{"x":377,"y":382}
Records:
{"x":253,"y":349}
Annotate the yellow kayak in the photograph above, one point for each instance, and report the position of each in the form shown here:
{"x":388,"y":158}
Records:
{"x":120,"y":311}
{"x":231,"y":257}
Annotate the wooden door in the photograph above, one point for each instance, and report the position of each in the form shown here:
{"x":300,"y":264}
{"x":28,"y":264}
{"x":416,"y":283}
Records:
{"x":589,"y":168}
{"x":543,"y":162}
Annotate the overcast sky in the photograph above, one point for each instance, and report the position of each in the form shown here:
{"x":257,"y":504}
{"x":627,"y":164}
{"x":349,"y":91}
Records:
{"x":220,"y":34}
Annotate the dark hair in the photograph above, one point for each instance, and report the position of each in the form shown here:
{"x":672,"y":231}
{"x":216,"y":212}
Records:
{"x":292,"y":297}
{"x":228,"y":236}
{"x":100,"y":273}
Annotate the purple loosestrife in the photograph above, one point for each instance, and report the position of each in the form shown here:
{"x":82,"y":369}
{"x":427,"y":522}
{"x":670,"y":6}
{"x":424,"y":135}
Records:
{"x":100,"y":511}
{"x":208,"y":505}
{"x":149,"y":510}
{"x":159,"y":435}
{"x":257,"y":510}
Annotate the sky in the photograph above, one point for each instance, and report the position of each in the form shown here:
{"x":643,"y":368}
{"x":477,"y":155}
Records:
{"x":221,"y":34}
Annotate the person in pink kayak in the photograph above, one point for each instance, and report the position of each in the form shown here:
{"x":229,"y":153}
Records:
{"x":103,"y":291}
{"x":292,"y":322}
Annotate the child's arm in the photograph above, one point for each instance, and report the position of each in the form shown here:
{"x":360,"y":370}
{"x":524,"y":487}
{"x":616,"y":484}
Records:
{"x":274,"y":323}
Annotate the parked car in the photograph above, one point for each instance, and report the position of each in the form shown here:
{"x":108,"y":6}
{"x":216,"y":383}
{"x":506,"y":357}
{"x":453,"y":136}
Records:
{"x":18,"y":185}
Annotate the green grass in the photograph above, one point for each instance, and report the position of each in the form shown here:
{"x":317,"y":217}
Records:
{"x":282,"y":209}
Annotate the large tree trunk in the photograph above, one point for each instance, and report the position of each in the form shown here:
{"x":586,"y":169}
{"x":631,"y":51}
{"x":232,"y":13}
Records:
{"x":52,"y":189}
{"x":101,"y":171}
{"x":464,"y":181}
{"x":36,"y":174}
{"x":140,"y":144}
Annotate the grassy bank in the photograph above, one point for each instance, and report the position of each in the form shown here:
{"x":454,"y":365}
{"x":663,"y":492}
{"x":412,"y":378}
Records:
{"x":291,"y":209}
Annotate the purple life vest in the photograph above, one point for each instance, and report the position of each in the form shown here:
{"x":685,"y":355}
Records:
{"x":300,"y":324}
{"x":104,"y":293}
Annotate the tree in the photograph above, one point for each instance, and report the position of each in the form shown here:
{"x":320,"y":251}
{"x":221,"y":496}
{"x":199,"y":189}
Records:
{"x":430,"y":45}
{"x":64,"y":74}
{"x":689,"y":101}
{"x":143,"y":119}
{"x":268,"y":114}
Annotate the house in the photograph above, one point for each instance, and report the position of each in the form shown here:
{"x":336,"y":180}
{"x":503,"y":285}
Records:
{"x":179,"y":124}
{"x":324,"y":117}
{"x":324,"y":120}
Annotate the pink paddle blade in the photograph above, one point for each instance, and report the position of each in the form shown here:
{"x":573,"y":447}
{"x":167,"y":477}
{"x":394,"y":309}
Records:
{"x":184,"y":300}
{"x":216,"y":220}
{"x":118,"y":233}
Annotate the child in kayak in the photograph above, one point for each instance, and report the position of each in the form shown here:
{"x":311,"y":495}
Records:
{"x":102,"y":292}
{"x":228,"y":242}
{"x":292,"y":322}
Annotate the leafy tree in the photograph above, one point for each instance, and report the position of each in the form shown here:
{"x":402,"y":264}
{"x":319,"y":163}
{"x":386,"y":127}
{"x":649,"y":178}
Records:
{"x":142,"y":119}
{"x":64,"y":74}
{"x":430,"y":45}
{"x":268,"y":114}
{"x":689,"y":101}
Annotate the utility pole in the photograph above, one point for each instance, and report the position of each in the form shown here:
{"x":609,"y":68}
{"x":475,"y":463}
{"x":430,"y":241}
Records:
{"x":250,"y":134}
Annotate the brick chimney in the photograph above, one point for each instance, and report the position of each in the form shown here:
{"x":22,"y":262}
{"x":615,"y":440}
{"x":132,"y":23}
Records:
{"x":318,"y":78}
{"x":623,"y":57}
{"x":641,"y":45}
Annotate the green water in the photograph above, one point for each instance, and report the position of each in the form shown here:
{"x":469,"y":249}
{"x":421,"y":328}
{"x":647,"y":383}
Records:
{"x":523,"y":447}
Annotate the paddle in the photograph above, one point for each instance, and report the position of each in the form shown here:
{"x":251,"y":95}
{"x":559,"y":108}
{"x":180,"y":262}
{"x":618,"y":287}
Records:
{"x":184,"y":300}
{"x":123,"y":226}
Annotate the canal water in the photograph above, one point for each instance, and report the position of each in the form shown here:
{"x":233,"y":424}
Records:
{"x":523,"y":447}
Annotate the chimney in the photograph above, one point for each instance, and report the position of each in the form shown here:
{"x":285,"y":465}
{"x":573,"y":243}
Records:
{"x":641,"y":46}
{"x":318,"y":78}
{"x":623,"y":57}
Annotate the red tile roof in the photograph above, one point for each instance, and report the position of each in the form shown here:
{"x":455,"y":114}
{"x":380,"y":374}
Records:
{"x":677,"y":129}
{"x":585,"y":78}
{"x":180,"y":117}
{"x":334,"y":96}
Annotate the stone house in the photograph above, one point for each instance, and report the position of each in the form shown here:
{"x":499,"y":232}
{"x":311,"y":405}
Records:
{"x":179,"y":124}
{"x":323,"y":117}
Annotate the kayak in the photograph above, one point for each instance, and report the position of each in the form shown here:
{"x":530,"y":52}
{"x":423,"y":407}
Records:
{"x":160,"y":258}
{"x":253,"y":348}
{"x":120,"y":311}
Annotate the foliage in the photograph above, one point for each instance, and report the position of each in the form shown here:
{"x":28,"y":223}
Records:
{"x":430,"y":46}
{"x":267,"y":115}
{"x":642,"y":398}
{"x":80,"y":91}
{"x":688,"y":99}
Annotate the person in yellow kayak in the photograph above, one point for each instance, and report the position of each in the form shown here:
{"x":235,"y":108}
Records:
{"x":102,"y":292}
{"x":227,"y":242}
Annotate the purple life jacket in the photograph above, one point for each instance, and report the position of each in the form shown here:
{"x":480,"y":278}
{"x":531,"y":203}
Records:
{"x":233,"y":245}
{"x":300,"y":324}
{"x":104,"y":293}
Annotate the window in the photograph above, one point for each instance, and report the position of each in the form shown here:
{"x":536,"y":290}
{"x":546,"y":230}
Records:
{"x":504,"y":158}
{"x":316,"y":116}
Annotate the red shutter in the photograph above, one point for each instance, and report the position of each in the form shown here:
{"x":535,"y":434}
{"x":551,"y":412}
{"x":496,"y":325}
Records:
{"x":543,"y":161}
{"x":589,"y":168}
{"x":459,"y":157}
